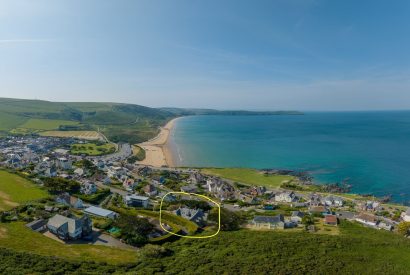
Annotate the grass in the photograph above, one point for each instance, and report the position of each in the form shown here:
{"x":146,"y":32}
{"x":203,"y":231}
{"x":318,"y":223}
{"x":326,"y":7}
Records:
{"x":17,"y":237}
{"x":355,"y":250}
{"x":92,"y":149}
{"x":9,"y":121}
{"x":46,"y":124}
{"x":248,"y":176}
{"x":138,"y":152}
{"x":15,"y":190}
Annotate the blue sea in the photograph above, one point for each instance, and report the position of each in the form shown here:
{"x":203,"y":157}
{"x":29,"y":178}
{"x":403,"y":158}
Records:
{"x":370,"y":149}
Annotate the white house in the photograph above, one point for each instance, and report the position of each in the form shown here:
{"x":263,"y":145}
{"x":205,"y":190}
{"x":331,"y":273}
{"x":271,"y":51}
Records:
{"x":367,"y":219}
{"x":406,"y":215}
{"x":68,"y":228}
{"x":88,"y":188}
{"x":136,"y":201}
{"x":66,"y":199}
{"x":333,"y":201}
{"x":286,"y":196}
{"x":100,"y":212}
{"x":64,"y":163}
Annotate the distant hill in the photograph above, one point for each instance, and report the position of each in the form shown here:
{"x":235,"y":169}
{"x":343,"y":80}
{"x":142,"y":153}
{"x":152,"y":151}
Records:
{"x":117,"y":121}
{"x":186,"y":112}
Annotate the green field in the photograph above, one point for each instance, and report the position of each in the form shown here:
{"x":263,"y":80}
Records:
{"x":9,"y":121}
{"x":92,"y":149}
{"x":18,"y":237}
{"x":248,"y":176}
{"x":15,"y":190}
{"x":46,"y":124}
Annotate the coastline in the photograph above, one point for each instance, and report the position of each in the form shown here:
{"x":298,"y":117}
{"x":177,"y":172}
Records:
{"x":157,"y":150}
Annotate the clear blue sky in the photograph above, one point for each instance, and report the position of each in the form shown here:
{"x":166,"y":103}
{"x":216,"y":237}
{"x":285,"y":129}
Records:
{"x":275,"y":54}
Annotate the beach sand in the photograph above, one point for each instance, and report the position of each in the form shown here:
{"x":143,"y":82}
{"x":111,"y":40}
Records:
{"x":157,"y":150}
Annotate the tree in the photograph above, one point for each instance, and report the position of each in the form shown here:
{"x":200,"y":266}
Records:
{"x":308,"y":220}
{"x":404,"y":228}
{"x":230,"y":221}
{"x":134,"y":229}
{"x":58,"y":185}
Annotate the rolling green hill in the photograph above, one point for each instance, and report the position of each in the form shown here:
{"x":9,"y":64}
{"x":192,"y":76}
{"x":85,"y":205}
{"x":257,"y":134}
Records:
{"x":118,"y":122}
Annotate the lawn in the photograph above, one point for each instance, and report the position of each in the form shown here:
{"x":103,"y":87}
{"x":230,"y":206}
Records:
{"x":248,"y":176}
{"x":15,"y":190}
{"x":46,"y":124}
{"x":17,"y":237}
{"x":92,"y":149}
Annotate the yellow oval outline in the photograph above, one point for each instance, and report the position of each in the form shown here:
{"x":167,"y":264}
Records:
{"x":191,"y":237}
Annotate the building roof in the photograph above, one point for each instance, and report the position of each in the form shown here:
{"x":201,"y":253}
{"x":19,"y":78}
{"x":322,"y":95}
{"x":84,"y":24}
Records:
{"x":97,"y":211}
{"x":57,"y":221}
{"x":298,"y":214}
{"x":136,"y":197}
{"x":366,"y":217}
{"x":268,"y":219}
{"x":330,"y":219}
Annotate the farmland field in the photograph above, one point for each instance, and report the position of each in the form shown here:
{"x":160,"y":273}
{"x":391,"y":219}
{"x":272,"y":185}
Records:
{"x":15,"y":190}
{"x":88,"y":135}
{"x":46,"y":124}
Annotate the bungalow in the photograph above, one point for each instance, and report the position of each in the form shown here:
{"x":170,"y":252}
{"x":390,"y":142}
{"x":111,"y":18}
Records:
{"x":37,"y":225}
{"x":286,"y":196}
{"x":150,"y":190}
{"x":88,"y":188}
{"x":79,"y":172}
{"x":406,"y":215}
{"x":100,"y":212}
{"x":269,"y":222}
{"x":367,"y":219}
{"x":129,"y":184}
{"x":195,"y":215}
{"x":297,"y":216}
{"x":69,"y":228}
{"x":66,"y":199}
{"x":315,"y":200}
{"x":385,"y":226}
{"x":136,"y":201}
{"x":64,"y":163}
{"x":319,"y":210}
{"x":333,"y":201}
{"x":189,"y":189}
{"x":330,"y":220}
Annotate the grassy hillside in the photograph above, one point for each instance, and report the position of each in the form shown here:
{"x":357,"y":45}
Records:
{"x":248,"y":176}
{"x":19,"y":238}
{"x":357,"y":250}
{"x":15,"y":190}
{"x":119,"y":122}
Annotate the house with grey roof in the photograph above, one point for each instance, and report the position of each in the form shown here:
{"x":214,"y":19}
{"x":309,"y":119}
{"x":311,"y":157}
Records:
{"x":269,"y":222}
{"x":196,"y":215}
{"x":67,"y":228}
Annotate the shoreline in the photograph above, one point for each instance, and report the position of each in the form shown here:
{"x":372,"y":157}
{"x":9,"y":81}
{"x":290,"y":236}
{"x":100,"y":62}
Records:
{"x":157,"y":150}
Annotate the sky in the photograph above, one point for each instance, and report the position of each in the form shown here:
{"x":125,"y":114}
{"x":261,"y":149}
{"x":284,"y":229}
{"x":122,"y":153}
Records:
{"x":223,"y":54}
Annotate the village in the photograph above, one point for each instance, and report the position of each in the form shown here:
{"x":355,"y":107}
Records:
{"x":93,"y":199}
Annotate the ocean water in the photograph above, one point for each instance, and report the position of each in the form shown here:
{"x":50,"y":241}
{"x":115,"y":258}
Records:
{"x":370,"y":149}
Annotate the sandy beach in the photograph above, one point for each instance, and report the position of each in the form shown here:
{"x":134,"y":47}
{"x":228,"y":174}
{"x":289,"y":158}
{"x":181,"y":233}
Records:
{"x":157,"y":151}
